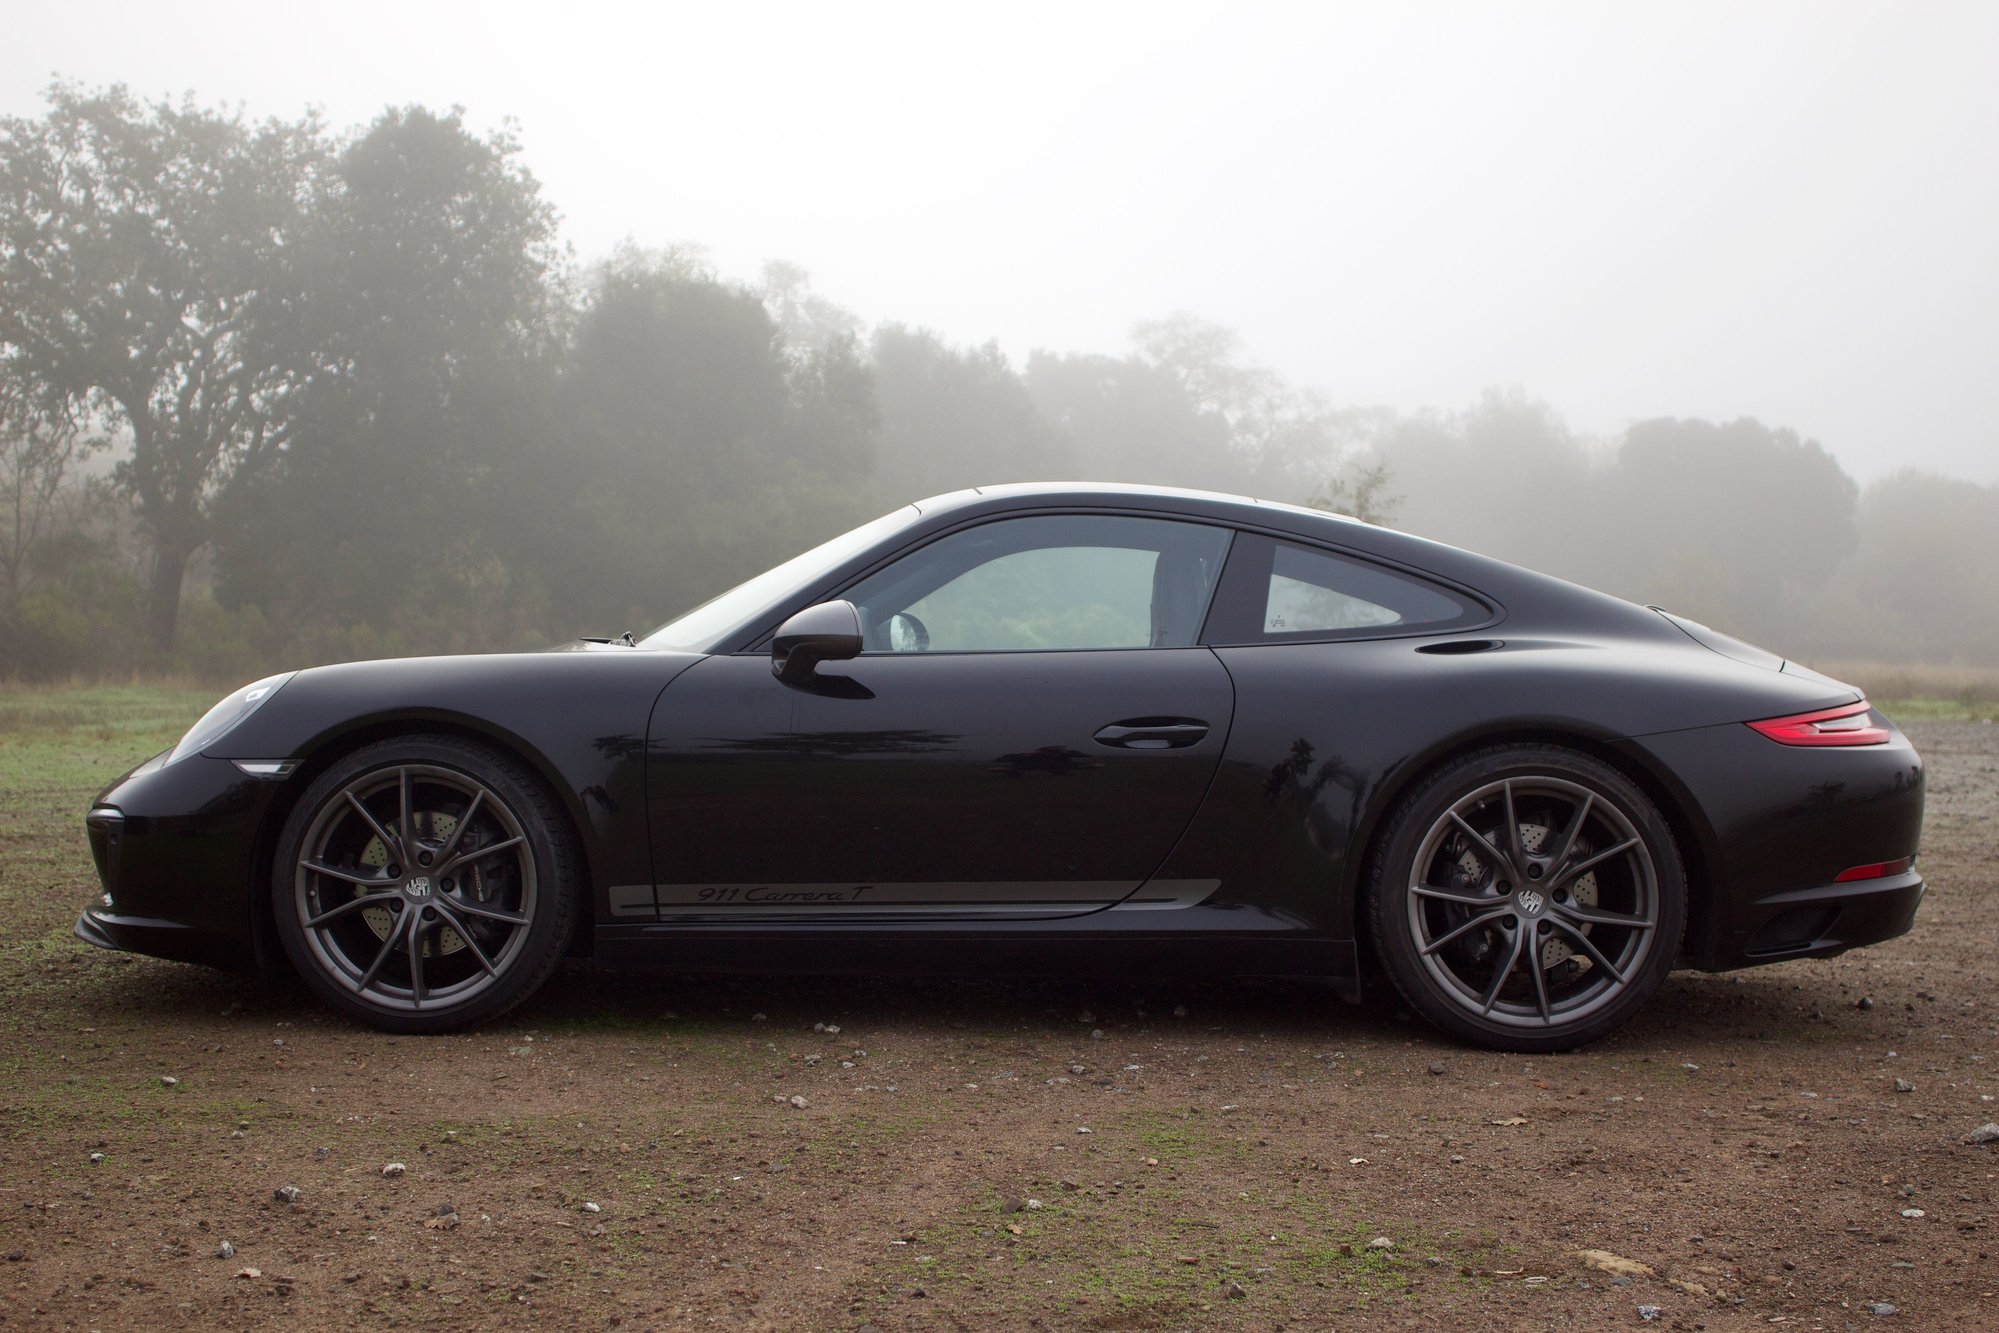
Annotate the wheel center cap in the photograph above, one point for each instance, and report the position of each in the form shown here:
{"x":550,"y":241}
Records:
{"x":1530,"y":903}
{"x":417,"y":887}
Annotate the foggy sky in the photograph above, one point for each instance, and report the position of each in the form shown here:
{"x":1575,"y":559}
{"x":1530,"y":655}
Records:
{"x":1786,"y":211}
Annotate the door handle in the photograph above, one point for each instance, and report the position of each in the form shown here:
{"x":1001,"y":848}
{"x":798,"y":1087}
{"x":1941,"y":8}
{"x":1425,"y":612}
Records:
{"x":1153,"y":733}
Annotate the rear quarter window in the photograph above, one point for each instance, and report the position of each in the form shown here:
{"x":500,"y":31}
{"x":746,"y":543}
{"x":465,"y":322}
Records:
{"x":1284,"y":592}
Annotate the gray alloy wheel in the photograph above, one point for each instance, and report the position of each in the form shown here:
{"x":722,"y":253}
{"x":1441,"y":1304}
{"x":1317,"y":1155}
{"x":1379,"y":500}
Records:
{"x":424,"y":884}
{"x":1528,"y":897}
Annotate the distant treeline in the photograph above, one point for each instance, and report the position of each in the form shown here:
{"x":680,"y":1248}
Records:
{"x":273,"y":394}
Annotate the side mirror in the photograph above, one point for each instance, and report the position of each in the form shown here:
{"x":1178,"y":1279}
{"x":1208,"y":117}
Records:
{"x":828,"y":632}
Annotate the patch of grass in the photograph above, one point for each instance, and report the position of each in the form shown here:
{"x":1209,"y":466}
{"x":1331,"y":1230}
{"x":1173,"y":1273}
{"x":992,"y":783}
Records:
{"x":1910,"y":691}
{"x":1937,"y":710}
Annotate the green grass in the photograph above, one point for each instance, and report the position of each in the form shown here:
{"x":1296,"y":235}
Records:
{"x":1929,"y":709}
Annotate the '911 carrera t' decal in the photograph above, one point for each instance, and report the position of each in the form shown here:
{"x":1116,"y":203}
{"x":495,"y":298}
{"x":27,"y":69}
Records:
{"x":1033,"y":897}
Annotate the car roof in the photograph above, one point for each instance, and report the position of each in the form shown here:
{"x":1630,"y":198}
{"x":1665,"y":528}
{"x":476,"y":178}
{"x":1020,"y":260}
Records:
{"x":1517,"y":589}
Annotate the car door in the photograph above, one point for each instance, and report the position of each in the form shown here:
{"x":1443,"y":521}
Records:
{"x":1029,"y":729}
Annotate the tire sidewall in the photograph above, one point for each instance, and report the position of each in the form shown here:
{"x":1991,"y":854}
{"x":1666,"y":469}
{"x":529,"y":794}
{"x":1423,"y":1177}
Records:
{"x":1388,"y":891}
{"x":549,"y":843}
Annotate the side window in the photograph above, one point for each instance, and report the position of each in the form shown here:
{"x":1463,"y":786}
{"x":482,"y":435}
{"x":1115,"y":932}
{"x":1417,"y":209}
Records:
{"x":1277,"y":591}
{"x":1043,"y":583}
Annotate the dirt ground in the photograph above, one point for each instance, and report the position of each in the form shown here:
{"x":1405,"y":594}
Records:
{"x":1781,"y":1147}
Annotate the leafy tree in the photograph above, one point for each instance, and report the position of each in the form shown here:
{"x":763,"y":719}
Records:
{"x":1133,"y":421}
{"x":1735,"y":522}
{"x":146,"y":277}
{"x":698,"y":446}
{"x":433,"y":272}
{"x":955,"y":417}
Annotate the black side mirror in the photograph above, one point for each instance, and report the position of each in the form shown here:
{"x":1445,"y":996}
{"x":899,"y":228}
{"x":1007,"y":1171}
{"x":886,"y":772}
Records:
{"x":828,"y":632}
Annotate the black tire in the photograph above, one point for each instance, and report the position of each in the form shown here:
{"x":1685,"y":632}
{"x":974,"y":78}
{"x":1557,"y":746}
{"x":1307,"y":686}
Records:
{"x":472,"y":927}
{"x":1541,"y":941}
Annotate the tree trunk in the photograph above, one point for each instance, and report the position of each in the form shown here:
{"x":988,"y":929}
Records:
{"x":170,"y":557}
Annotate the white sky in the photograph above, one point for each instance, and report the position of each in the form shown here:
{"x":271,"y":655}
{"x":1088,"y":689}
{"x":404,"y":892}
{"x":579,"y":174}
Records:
{"x":1789,"y":211}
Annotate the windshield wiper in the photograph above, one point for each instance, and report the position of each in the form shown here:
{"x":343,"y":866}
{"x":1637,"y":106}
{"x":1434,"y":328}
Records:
{"x":628,"y":639}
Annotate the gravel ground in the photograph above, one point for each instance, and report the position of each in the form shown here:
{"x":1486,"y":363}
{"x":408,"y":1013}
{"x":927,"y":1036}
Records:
{"x":1782,"y":1147}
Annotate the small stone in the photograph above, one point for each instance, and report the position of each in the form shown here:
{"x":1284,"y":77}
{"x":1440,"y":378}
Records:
{"x":1691,"y":1068}
{"x":169,"y":1081}
{"x":1381,"y":1243}
{"x":1096,"y":1034}
{"x":759,"y":1018}
{"x":1648,"y":1312}
{"x":1234,"y":1291}
{"x":393,"y":1169}
{"x":225,"y":1251}
{"x":287,"y":1194}
{"x":251,"y":1273}
{"x":1084,"y":1129}
{"x":1439,"y":1067}
{"x":1457,"y":1159}
{"x":800,"y":1103}
{"x":1903,"y":1085}
{"x":1035,"y":1205}
{"x":1086,"y":1017}
{"x":445,"y":1210}
{"x":96,"y":1158}
{"x":1914,"y":1213}
{"x":1987,"y":1133}
{"x":1864,"y":1002}
{"x":1179,"y":1011}
{"x":1078,"y":1070}
{"x":593,"y":1208}
{"x":1883,"y":1309}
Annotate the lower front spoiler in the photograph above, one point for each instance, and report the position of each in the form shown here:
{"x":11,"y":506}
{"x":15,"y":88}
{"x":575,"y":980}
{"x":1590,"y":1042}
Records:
{"x":1823,"y":921}
{"x":159,"y":939}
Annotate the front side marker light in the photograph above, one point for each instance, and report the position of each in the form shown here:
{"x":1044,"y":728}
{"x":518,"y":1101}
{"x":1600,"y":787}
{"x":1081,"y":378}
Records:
{"x":1848,"y":724}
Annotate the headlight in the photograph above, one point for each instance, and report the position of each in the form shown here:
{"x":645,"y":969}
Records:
{"x":222,"y":719}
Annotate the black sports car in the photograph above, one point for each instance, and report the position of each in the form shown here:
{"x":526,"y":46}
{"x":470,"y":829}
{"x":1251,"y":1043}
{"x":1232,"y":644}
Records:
{"x":1046,"y":728}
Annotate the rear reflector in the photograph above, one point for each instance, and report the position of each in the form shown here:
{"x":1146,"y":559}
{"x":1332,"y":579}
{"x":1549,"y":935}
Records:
{"x":1879,"y":870}
{"x":1849,"y":724}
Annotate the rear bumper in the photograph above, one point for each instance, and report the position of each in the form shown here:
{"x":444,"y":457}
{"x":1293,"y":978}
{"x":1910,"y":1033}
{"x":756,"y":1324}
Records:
{"x":1823,"y":921}
{"x":1768,"y":829}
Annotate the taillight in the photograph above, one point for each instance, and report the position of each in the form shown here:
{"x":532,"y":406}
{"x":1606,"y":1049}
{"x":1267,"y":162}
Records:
{"x":1848,"y":724}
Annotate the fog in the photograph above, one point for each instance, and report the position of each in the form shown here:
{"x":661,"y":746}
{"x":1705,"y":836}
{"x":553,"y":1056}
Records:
{"x":1648,"y":273}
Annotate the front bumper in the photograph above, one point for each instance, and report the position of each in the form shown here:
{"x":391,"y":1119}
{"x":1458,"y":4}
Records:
{"x":179,"y":855}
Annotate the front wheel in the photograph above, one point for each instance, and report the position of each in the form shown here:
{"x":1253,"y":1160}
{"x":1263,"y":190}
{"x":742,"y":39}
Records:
{"x":426,"y":883}
{"x":1527,"y":898}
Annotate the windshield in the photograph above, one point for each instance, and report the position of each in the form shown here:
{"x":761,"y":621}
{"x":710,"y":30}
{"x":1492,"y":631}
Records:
{"x":697,"y":629}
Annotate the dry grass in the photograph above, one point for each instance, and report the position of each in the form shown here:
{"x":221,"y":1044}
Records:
{"x":1974,"y":688}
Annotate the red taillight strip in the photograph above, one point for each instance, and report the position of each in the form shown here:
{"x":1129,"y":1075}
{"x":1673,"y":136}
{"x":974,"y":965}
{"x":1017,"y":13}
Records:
{"x":1879,"y":870}
{"x":1848,"y":724}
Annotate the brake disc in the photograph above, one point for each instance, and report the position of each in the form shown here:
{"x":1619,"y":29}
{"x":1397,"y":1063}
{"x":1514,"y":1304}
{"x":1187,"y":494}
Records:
{"x":381,"y":920}
{"x":1554,"y":950}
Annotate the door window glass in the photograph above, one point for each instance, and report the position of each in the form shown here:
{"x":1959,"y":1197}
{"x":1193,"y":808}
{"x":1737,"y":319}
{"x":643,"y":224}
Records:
{"x":1045,"y":583}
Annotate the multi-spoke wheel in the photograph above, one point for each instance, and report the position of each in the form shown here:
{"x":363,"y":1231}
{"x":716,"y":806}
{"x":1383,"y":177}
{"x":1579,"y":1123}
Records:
{"x":1527,"y":897}
{"x":423,"y":884}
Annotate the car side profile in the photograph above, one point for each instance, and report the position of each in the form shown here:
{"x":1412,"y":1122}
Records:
{"x":1046,"y":729}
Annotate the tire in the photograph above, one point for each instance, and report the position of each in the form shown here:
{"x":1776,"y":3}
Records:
{"x":1539,"y":941}
{"x":471,"y":929}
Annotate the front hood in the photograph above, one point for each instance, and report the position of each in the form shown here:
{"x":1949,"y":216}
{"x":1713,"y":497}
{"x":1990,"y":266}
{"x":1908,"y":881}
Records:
{"x":499,"y":693}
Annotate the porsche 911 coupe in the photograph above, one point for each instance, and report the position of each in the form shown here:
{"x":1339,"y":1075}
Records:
{"x":1046,"y":729}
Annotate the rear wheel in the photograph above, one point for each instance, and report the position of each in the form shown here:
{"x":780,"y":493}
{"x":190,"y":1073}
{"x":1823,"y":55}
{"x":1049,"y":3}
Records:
{"x":425,"y":884}
{"x":1528,"y":898}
